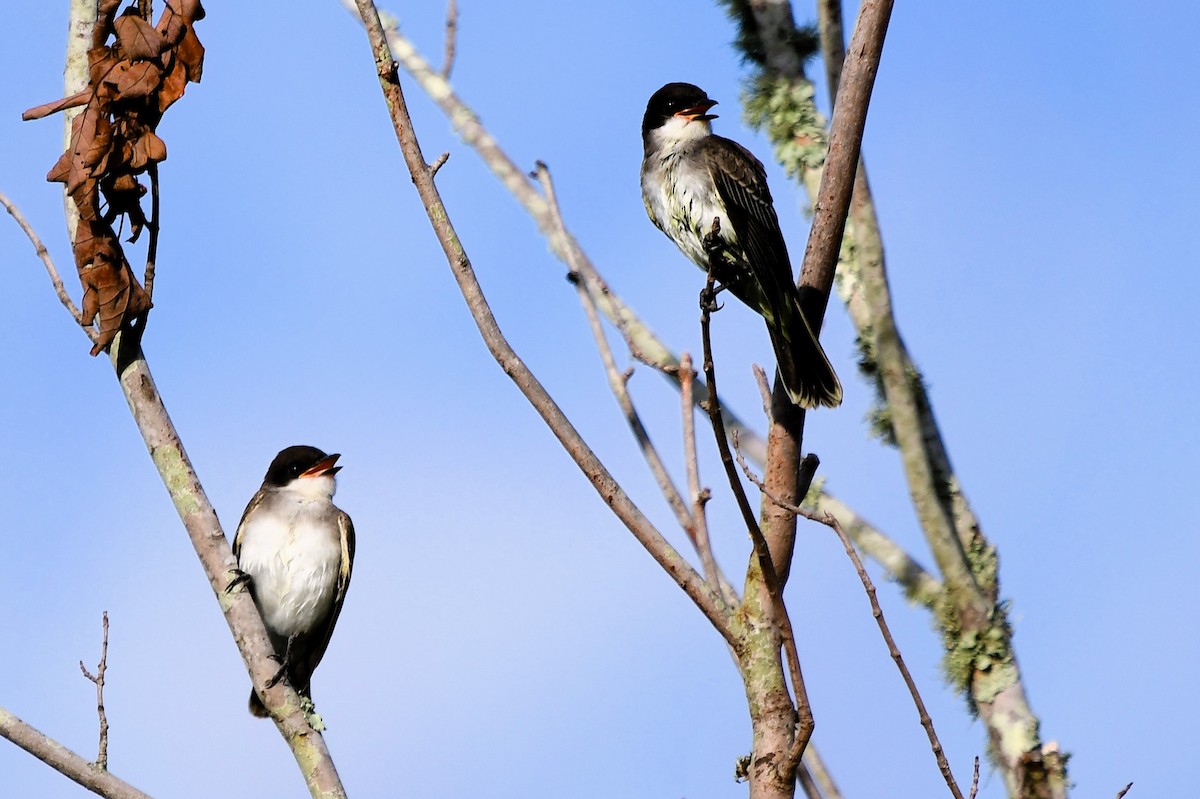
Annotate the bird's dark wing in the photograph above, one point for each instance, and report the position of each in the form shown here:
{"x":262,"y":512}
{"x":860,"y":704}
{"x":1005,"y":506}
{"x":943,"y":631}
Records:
{"x":320,"y":637}
{"x":255,"y":501}
{"x":741,"y":183}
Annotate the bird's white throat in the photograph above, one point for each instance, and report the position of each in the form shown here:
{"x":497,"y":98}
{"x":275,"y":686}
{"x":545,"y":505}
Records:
{"x":678,"y":130}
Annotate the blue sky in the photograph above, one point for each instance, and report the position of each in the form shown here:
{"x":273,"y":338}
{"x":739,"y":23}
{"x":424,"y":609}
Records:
{"x":503,"y":636}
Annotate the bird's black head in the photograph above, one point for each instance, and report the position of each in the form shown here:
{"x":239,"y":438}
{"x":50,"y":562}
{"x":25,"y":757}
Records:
{"x":676,"y":100}
{"x":300,"y":461}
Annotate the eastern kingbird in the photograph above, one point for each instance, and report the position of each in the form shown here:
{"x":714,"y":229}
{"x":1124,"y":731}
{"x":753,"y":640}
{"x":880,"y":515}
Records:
{"x":295,"y":548}
{"x":696,"y":184}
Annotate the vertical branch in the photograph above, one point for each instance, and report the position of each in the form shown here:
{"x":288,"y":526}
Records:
{"x":699,"y":496}
{"x":845,"y":145}
{"x":800,"y":709}
{"x":786,"y":434}
{"x":98,"y":679}
{"x":152,"y":246}
{"x":451,"y":38}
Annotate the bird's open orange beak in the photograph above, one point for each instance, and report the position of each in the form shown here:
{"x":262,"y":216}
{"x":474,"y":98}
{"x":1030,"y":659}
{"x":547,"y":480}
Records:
{"x":325,"y":466}
{"x":698,"y":111}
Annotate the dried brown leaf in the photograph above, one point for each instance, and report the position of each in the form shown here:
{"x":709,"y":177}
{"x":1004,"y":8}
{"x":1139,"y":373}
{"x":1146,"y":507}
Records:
{"x":174,"y":81}
{"x":46,"y":109}
{"x":100,"y":61}
{"x":135,"y":81}
{"x":111,"y":293}
{"x":191,"y":52}
{"x":131,"y":82}
{"x":136,"y":38}
{"x":147,"y":149}
{"x":104,"y":18}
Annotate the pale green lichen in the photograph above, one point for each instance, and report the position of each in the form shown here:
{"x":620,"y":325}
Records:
{"x":786,"y":111}
{"x":979,"y":663}
{"x":178,"y":478}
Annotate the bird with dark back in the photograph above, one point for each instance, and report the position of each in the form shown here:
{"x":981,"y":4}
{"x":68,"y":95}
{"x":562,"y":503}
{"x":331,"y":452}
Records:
{"x":709,"y":195}
{"x":295,"y":549}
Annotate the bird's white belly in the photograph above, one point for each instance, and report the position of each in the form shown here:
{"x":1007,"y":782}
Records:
{"x":688,"y":218}
{"x":295,"y":568}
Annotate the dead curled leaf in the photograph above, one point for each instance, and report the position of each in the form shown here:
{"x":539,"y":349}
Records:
{"x":132,"y":80}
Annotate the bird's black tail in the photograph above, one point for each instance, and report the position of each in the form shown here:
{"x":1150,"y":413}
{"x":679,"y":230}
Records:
{"x":803,"y":366}
{"x":257,"y":708}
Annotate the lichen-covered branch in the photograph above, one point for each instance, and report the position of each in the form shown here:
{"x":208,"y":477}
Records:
{"x":980,"y":659}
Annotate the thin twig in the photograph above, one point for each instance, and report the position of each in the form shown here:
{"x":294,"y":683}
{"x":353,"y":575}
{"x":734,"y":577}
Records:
{"x":152,"y":246}
{"x":705,"y":597}
{"x":451,"y":38}
{"x":699,"y":496}
{"x":98,"y":679}
{"x":438,"y":163}
{"x":807,"y":783}
{"x":762,"y":553}
{"x":918,"y":583}
{"x":618,"y":382}
{"x":1124,"y":791}
{"x":831,"y":521}
{"x":764,"y":390}
{"x":48,"y":262}
{"x":816,"y":767}
{"x":975,"y":780}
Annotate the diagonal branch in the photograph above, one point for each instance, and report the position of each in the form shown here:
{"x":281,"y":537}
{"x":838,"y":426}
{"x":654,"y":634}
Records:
{"x":472,"y":132}
{"x":618,"y":382}
{"x":51,"y":270}
{"x":693,"y":584}
{"x":66,"y":762}
{"x":196,"y":512}
{"x":876,"y":611}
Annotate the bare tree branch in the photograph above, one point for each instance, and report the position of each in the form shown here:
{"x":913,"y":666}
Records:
{"x":98,"y":680}
{"x":704,"y":596}
{"x":468,"y":127}
{"x":618,"y":382}
{"x":451,"y":38}
{"x":71,"y":765}
{"x":152,"y":247}
{"x":761,"y":563}
{"x":196,"y":512}
{"x":699,"y":496}
{"x":876,"y":611}
{"x":48,"y":262}
{"x":816,"y":767}
{"x":786,"y":434}
{"x":918,"y":584}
